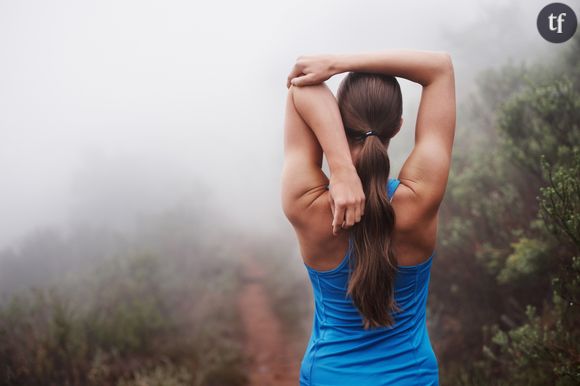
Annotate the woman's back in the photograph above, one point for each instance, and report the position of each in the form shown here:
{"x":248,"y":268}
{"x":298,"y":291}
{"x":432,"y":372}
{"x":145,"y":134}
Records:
{"x":368,"y":258}
{"x":341,"y":352}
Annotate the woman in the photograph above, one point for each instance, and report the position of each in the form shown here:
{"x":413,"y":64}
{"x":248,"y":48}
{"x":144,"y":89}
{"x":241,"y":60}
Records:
{"x":367,"y":250}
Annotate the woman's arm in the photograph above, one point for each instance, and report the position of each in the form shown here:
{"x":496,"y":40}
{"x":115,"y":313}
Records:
{"x":422,"y":67}
{"x":418,"y":66}
{"x":313,"y":125}
{"x":425,"y":172}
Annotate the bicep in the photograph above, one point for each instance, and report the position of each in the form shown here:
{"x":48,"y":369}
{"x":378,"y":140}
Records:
{"x":426,"y":170}
{"x":303,"y":180}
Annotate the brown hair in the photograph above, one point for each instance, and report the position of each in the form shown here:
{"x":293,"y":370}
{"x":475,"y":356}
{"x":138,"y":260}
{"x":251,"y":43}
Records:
{"x":372,"y":102}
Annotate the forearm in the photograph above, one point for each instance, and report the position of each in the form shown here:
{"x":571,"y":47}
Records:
{"x":422,"y":67}
{"x":317,"y":106}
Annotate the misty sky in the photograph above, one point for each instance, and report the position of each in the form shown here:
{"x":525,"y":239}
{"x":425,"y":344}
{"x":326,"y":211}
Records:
{"x":112,"y":108}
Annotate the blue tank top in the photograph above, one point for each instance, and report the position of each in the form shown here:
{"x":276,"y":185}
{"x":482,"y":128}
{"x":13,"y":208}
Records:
{"x":340,"y":352}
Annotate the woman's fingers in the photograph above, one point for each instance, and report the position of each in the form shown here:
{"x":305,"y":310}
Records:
{"x":347,"y":198}
{"x":357,"y":213}
{"x":296,"y":71}
{"x":338,"y":219}
{"x":331,"y":200}
{"x":310,"y":70}
{"x":350,"y":216}
{"x":305,"y":80}
{"x":345,"y":216}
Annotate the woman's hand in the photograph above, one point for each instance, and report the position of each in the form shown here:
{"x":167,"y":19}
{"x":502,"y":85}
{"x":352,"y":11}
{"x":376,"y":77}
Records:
{"x":347,"y":199}
{"x":312,"y":69}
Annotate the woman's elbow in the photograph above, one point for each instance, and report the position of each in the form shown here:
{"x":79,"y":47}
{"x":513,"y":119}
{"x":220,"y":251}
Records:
{"x":446,"y":63}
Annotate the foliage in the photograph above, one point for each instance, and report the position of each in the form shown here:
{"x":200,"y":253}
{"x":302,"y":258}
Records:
{"x":153,"y":315}
{"x":560,"y":207}
{"x":507,"y":287}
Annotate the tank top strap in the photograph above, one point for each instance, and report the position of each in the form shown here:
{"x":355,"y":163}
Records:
{"x":392,"y":185}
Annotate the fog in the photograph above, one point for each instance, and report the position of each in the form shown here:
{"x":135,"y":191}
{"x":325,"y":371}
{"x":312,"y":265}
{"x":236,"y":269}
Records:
{"x":114,"y":109}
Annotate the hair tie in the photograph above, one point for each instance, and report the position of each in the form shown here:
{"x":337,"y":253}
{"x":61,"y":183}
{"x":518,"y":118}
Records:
{"x":352,"y":133}
{"x":370,"y":132}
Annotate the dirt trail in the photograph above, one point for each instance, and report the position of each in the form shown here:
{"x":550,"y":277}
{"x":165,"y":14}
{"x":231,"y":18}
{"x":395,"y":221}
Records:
{"x":271,"y":360}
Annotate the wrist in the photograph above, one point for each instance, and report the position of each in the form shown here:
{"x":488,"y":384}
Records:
{"x":342,"y":166}
{"x":338,"y":64}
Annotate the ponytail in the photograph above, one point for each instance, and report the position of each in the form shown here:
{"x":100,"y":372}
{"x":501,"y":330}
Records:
{"x":372,"y":103}
{"x":373,"y":275}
